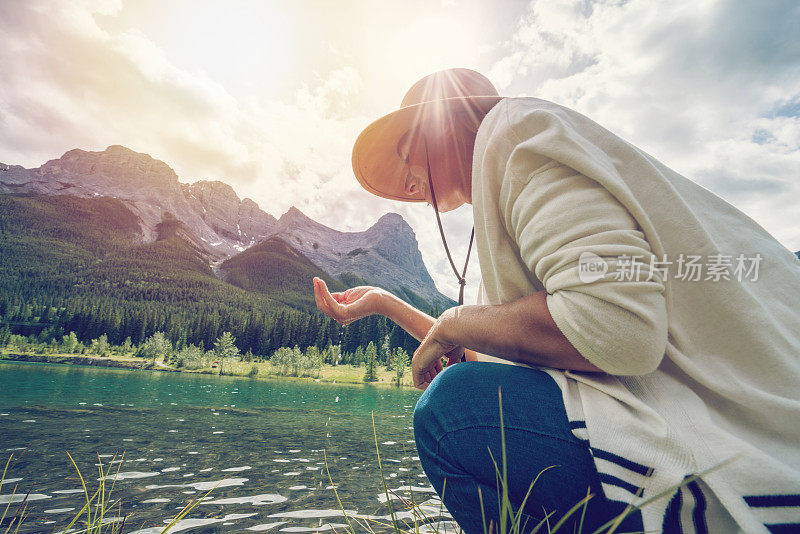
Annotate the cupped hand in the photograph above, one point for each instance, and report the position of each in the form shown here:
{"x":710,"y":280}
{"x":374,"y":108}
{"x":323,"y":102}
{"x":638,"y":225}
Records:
{"x":350,"y":305}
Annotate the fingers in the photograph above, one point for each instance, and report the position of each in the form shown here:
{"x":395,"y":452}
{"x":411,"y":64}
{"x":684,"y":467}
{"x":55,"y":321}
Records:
{"x":455,"y":355}
{"x":429,"y":375}
{"x":419,"y":378}
{"x":423,"y":377}
{"x":422,"y":381}
{"x":337,"y":309}
{"x":326,"y":296}
{"x":325,"y":303}
{"x":318,"y":298}
{"x":453,"y":359}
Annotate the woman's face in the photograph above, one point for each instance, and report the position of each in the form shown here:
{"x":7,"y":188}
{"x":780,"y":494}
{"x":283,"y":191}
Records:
{"x":446,"y":165}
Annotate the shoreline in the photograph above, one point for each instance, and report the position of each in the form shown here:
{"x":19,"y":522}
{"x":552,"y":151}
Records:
{"x":137,"y":364}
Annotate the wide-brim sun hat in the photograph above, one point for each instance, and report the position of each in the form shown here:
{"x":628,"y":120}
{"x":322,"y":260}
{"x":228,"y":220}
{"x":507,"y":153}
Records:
{"x":432,"y":101}
{"x":376,"y":162}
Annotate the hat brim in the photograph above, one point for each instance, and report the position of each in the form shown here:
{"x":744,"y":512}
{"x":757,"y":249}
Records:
{"x":376,"y":163}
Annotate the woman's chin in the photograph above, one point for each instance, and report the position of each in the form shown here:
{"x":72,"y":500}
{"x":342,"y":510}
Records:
{"x":444,"y":207}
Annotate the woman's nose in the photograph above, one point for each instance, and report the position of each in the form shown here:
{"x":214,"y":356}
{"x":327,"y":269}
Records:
{"x":416,"y":189}
{"x":413,"y":183}
{"x":412,"y":188}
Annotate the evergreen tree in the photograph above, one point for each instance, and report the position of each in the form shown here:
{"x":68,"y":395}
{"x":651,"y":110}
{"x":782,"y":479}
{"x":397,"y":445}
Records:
{"x":365,"y":330}
{"x":44,"y":316}
{"x":396,"y":336}
{"x":410,"y":345}
{"x":386,"y":353}
{"x":336,"y":354}
{"x":358,"y":356}
{"x":225,"y":346}
{"x":350,"y":337}
{"x":249,"y":339}
{"x":5,"y":336}
{"x":140,"y":329}
{"x":322,"y":338}
{"x":382,"y":329}
{"x":369,"y":361}
{"x":400,"y":363}
{"x":182,"y":341}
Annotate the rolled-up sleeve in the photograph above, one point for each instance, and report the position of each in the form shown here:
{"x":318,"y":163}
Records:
{"x":567,"y":226}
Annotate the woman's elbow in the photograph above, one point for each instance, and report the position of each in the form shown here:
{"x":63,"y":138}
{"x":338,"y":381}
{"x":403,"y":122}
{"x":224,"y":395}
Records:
{"x":643,"y":352}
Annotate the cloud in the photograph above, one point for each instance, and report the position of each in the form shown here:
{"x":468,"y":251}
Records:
{"x":69,"y":83}
{"x":710,"y":88}
{"x":73,"y":80}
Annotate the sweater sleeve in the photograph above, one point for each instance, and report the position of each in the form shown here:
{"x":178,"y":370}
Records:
{"x":567,"y":226}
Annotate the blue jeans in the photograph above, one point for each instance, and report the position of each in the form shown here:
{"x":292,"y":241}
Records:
{"x":457,"y":422}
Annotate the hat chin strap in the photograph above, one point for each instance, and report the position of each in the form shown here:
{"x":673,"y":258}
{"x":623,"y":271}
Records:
{"x":461,"y":280}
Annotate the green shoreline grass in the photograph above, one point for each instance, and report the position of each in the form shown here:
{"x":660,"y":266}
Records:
{"x":329,"y":374}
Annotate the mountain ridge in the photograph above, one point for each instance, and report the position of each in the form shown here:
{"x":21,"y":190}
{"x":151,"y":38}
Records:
{"x":221,"y":225}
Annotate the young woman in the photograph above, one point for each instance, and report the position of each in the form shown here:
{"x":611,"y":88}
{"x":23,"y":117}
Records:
{"x":654,"y":327}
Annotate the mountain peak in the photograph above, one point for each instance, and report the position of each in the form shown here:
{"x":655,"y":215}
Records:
{"x":391,"y":219}
{"x":116,"y":162}
{"x":119,"y":149}
{"x":212,"y":188}
{"x":390,"y":222}
{"x":293,"y":213}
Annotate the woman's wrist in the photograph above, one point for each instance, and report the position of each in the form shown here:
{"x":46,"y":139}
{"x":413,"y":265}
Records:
{"x":387,"y":305}
{"x":414,"y":321}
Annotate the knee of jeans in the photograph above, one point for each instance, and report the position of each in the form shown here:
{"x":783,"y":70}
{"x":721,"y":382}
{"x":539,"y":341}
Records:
{"x":444,"y":392}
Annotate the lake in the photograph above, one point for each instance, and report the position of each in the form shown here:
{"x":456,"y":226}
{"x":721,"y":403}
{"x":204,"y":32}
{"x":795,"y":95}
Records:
{"x":181,"y":434}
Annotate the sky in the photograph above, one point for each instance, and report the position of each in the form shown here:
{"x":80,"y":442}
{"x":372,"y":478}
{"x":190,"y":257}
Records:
{"x":269,"y":95}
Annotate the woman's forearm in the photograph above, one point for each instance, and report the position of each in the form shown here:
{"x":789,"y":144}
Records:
{"x":521,"y":331}
{"x":414,"y":321}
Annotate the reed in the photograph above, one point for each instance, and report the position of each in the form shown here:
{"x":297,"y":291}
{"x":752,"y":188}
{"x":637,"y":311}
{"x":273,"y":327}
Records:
{"x":93,"y":517}
{"x":19,"y":515}
{"x":511,"y":521}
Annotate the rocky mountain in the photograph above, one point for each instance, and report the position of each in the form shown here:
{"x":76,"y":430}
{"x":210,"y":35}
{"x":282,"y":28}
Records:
{"x":150,"y":188}
{"x":221,"y":226}
{"x":387,"y":251}
{"x":237,"y":223}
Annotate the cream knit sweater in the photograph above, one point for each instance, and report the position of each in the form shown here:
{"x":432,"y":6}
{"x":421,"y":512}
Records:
{"x":703,"y":366}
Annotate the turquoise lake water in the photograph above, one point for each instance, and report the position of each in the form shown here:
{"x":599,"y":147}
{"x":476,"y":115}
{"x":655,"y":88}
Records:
{"x":181,"y":434}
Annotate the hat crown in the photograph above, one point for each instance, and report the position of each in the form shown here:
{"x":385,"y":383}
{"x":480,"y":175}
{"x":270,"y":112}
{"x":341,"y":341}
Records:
{"x":449,"y":83}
